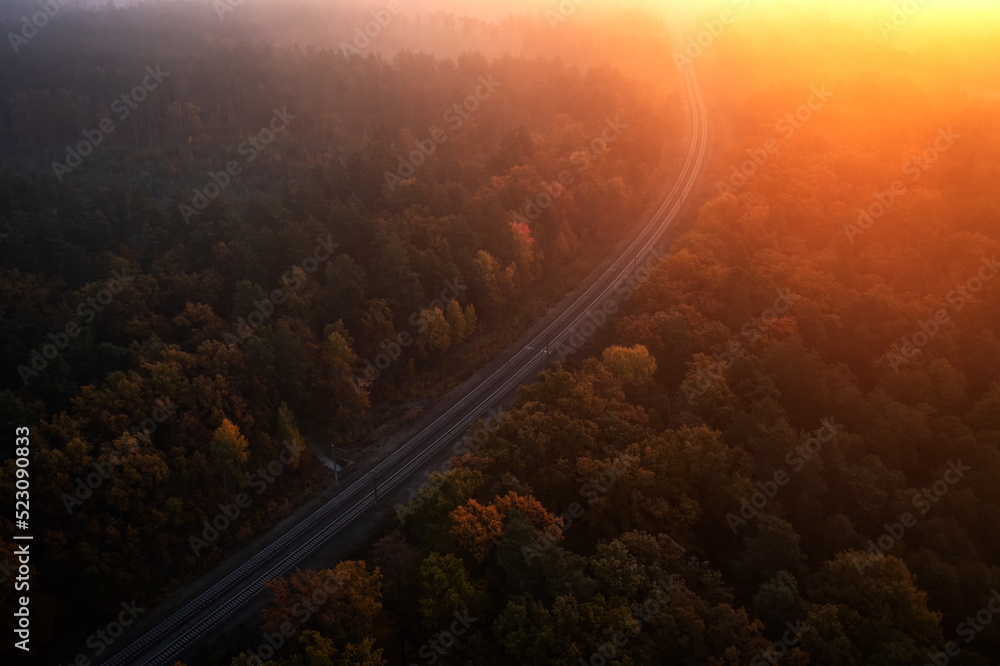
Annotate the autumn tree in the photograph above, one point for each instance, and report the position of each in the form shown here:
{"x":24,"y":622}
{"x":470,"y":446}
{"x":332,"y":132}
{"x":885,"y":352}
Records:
{"x":635,"y":366}
{"x":479,"y":527}
{"x":347,"y":599}
{"x":229,"y":452}
{"x":433,"y":333}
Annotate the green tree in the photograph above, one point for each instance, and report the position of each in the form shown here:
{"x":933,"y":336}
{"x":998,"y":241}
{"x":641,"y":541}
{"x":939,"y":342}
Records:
{"x":448,"y":588}
{"x":346,"y":284}
{"x":880,"y":610}
{"x":773,"y":549}
{"x":377,"y":326}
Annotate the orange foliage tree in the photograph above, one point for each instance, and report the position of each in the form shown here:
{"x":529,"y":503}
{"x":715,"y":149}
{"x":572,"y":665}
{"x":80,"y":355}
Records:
{"x":479,"y":527}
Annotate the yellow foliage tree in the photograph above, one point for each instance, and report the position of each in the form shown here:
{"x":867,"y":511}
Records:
{"x":433,"y":336}
{"x":229,"y":452}
{"x":634,"y":366}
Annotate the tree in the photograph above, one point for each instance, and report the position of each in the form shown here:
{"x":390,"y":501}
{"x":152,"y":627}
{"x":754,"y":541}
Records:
{"x":229,"y":452}
{"x":778,"y":601}
{"x":363,"y":653}
{"x":516,"y":554}
{"x":634,"y":366}
{"x":433,"y":336}
{"x":775,"y":548}
{"x":321,"y":651}
{"x":527,"y":631}
{"x":882,"y":612}
{"x":346,"y":391}
{"x":456,"y":321}
{"x":524,"y":251}
{"x":346,"y":602}
{"x":201,"y":323}
{"x":377,"y":326}
{"x":346,"y":284}
{"x":471,"y":322}
{"x":448,"y":588}
{"x":399,"y":562}
{"x":495,"y":285}
{"x":392,"y":277}
{"x":427,"y":514}
{"x":479,"y":528}
{"x":247,"y":297}
{"x":287,"y":430}
{"x":826,"y":640}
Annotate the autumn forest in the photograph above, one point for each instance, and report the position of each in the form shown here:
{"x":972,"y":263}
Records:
{"x":389,"y":335}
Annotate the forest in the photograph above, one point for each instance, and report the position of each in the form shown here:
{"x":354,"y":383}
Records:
{"x":783,"y":450}
{"x":178,"y":329}
{"x":225,"y":248}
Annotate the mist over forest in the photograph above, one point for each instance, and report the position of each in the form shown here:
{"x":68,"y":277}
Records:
{"x":446,"y":332}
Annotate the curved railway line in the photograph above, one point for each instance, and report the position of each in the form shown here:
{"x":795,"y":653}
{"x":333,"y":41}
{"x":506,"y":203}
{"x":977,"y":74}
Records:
{"x":208,"y":612}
